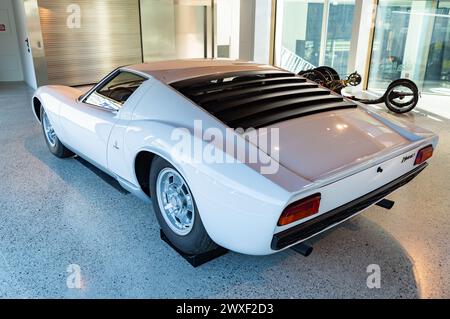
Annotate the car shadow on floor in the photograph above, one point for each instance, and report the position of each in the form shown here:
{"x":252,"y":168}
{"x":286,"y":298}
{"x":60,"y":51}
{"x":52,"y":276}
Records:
{"x":104,"y":176}
{"x":141,"y":265}
{"x":340,"y":265}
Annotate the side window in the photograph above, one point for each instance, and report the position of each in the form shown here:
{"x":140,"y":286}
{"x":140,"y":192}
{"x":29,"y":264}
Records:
{"x":116,"y":91}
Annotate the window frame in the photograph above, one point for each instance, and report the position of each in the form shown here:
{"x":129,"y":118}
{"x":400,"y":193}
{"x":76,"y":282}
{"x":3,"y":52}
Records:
{"x":116,"y":107}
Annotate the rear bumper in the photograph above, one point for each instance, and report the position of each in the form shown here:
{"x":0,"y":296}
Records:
{"x":312,"y":227}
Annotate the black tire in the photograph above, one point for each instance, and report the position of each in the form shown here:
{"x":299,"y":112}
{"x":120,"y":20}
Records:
{"x":401,"y":107}
{"x":198,"y":240}
{"x":329,"y":73}
{"x":58,"y":149}
{"x":314,"y":76}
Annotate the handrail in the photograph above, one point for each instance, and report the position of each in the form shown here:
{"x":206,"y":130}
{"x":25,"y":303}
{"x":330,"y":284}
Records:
{"x":292,"y":62}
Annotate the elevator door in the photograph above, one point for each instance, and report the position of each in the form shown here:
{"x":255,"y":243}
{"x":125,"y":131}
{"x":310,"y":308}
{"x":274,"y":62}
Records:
{"x":84,"y":39}
{"x":176,"y":29}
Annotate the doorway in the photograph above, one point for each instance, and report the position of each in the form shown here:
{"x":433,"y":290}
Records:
{"x":177,"y":29}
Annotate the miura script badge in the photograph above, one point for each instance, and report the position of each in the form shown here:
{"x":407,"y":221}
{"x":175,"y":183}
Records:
{"x":407,"y":158}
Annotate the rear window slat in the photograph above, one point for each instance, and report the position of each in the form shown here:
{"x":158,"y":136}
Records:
{"x":277,"y":106}
{"x":259,"y":98}
{"x":270,"y":119}
{"x":246,"y":92}
{"x":262,"y":99}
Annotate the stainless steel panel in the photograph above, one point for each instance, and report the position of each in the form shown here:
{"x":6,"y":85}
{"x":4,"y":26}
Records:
{"x":108,"y":37}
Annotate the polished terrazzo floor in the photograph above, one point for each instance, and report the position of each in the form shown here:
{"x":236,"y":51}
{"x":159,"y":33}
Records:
{"x":55,"y":213}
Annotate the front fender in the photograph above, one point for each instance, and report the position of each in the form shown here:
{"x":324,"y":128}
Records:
{"x":51,"y":98}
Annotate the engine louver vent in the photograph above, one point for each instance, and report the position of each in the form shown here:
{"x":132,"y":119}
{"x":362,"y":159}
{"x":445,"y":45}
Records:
{"x":259,"y":98}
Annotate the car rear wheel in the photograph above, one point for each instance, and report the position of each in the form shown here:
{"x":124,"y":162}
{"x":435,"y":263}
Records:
{"x":176,"y":210}
{"x":54,"y":144}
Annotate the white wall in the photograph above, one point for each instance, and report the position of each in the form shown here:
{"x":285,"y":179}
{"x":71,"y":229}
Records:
{"x":254,"y":42}
{"x":263,"y":14}
{"x":247,"y":32}
{"x":228,"y":25}
{"x":10,"y":62}
{"x":22,"y":35}
{"x":173,"y":30}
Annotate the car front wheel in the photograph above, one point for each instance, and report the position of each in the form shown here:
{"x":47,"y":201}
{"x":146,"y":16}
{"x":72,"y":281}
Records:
{"x":54,"y":144}
{"x":176,"y":210}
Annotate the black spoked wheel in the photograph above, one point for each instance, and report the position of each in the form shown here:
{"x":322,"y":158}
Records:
{"x":402,"y":96}
{"x":315,"y":76}
{"x":354,"y":79}
{"x":329,"y":73}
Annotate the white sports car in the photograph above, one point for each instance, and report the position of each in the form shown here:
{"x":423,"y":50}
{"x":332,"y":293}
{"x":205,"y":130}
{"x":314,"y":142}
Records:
{"x":326,"y":158}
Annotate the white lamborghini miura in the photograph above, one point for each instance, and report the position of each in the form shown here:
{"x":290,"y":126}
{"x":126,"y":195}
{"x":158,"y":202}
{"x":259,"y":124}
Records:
{"x":334,"y":158}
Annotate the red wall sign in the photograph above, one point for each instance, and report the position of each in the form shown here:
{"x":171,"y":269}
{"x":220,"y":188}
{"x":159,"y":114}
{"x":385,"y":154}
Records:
{"x":2,"y":28}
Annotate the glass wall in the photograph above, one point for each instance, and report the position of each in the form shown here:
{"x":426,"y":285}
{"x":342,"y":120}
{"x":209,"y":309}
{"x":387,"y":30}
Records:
{"x":315,"y":32}
{"x":300,"y":23}
{"x":339,"y":35}
{"x":412,"y":40}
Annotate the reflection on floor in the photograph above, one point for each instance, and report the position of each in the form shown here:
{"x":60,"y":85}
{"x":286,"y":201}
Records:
{"x":435,"y":105}
{"x":56,"y":213}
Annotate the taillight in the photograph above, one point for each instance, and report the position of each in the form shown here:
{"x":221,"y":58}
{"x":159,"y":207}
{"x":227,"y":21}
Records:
{"x":300,"y":210}
{"x":424,"y":154}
